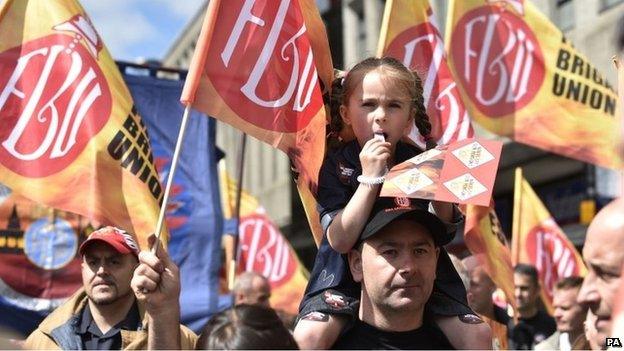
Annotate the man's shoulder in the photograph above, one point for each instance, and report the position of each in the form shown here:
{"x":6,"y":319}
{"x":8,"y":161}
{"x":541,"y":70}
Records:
{"x":188,"y":338}
{"x":64,"y":312}
{"x":38,"y":340}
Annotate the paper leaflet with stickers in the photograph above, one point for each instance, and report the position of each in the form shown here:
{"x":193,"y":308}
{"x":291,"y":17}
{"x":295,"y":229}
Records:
{"x":463,"y":172}
{"x":70,"y":137}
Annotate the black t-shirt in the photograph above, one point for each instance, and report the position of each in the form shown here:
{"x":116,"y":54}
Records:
{"x":531,"y":331}
{"x":363,"y":336}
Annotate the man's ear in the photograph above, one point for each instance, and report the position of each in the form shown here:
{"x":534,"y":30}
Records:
{"x":355,"y":264}
{"x":344,"y":115}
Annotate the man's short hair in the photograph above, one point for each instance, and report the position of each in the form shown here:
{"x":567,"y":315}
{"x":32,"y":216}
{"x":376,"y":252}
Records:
{"x":569,"y":283}
{"x":528,"y":270}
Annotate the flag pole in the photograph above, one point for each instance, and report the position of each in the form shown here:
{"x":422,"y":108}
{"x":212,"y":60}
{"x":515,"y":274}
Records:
{"x":383,"y":35}
{"x":237,"y":206}
{"x":172,"y":170}
{"x":228,"y":213}
{"x":517,"y":212}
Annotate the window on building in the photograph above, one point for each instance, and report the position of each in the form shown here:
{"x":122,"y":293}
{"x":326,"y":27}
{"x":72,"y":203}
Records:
{"x":607,"y":4}
{"x":564,"y":14}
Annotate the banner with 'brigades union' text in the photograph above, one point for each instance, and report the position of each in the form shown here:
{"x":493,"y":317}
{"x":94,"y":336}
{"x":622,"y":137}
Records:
{"x":521,"y":78}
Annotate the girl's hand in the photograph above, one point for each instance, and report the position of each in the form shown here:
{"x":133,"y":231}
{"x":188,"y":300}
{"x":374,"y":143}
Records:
{"x":374,"y":158}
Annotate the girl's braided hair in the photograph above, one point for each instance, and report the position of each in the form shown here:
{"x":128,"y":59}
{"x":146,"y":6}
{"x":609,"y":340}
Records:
{"x":342,"y":89}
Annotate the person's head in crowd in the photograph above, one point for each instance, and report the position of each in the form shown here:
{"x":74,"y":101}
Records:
{"x":104,"y":314}
{"x":569,"y":314}
{"x":481,"y":287}
{"x":395,"y":262}
{"x":527,"y":290}
{"x":252,"y":288}
{"x":367,"y":85}
{"x":603,"y":254}
{"x":246,"y":327}
{"x":109,"y":257}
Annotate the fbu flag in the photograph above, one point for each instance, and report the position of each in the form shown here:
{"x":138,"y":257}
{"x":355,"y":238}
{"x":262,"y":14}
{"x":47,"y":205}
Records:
{"x":67,"y":120}
{"x":520,"y":77}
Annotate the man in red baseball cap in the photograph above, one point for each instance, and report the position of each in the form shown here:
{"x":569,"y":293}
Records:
{"x":104,"y":314}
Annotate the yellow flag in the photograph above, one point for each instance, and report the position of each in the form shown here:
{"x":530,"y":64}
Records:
{"x":521,"y":78}
{"x":538,"y":240}
{"x":70,"y":136}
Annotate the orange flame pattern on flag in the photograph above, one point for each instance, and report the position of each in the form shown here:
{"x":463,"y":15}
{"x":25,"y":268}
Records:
{"x":70,"y":137}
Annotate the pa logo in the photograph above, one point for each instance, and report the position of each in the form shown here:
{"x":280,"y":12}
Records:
{"x":614,"y":342}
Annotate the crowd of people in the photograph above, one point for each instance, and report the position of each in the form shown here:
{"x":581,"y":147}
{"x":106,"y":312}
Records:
{"x":381,"y":280}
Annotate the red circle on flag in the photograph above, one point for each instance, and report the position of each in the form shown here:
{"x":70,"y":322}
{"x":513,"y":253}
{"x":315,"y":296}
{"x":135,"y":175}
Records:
{"x":497,"y":59}
{"x":260,"y":62}
{"x":265,"y":250}
{"x":53,"y":99}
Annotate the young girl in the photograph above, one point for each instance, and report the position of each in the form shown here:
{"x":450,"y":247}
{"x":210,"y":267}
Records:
{"x":381,"y":100}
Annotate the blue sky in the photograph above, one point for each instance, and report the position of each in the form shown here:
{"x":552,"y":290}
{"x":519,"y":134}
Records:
{"x":134,"y":29}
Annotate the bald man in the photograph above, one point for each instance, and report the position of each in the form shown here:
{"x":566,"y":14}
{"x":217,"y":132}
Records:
{"x":480,"y":291}
{"x":252,"y":288}
{"x":603,"y":254}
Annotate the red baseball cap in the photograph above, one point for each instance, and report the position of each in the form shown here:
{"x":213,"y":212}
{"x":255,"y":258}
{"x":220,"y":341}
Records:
{"x":119,"y":239}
